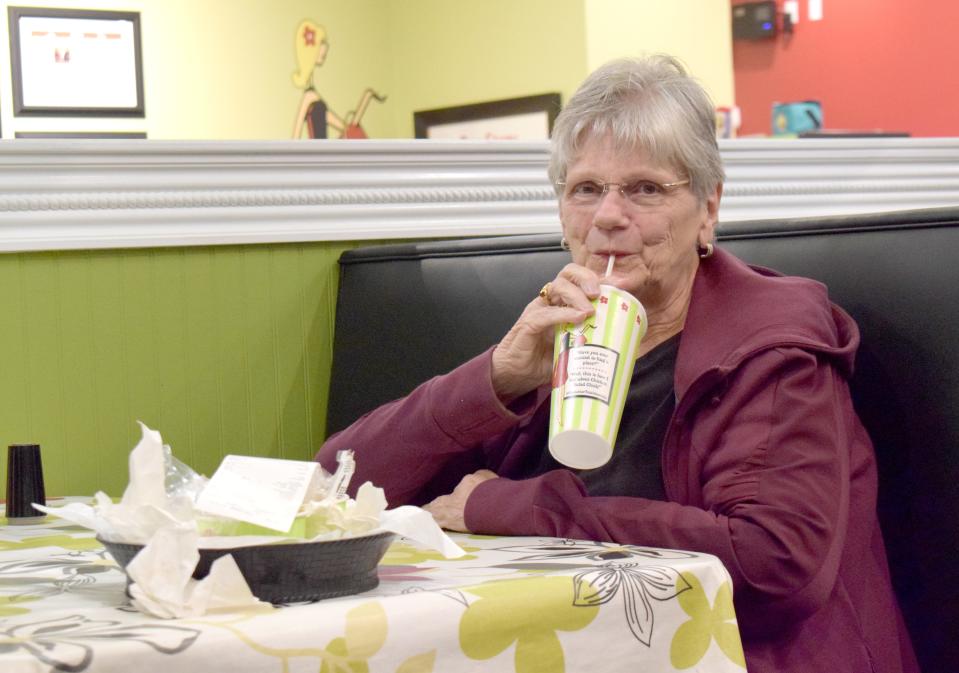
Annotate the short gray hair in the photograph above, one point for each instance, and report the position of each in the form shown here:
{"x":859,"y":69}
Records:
{"x":651,"y":104}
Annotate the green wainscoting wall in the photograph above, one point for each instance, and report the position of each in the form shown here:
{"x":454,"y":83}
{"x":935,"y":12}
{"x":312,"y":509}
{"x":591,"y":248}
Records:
{"x":222,"y":349}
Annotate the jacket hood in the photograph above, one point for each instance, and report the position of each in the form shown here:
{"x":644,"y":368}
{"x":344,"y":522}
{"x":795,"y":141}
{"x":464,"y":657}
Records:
{"x":737,"y":311}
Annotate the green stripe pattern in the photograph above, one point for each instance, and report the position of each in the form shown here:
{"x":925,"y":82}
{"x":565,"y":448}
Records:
{"x":599,"y":365}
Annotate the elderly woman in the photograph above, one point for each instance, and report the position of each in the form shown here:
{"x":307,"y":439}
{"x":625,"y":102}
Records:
{"x":739,"y":436}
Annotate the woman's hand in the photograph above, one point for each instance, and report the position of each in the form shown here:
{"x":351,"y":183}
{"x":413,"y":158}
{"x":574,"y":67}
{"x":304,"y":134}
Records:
{"x":523,"y":360}
{"x":449,"y":511}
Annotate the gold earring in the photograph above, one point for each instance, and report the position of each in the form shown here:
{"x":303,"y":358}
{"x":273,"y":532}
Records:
{"x":705,"y":251}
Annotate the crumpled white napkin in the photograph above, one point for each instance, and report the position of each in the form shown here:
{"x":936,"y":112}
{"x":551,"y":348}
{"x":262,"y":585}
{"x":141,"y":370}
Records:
{"x":162,"y":571}
{"x":420,"y":526}
{"x":147,"y":486}
{"x":163,"y":585}
{"x":145,"y":506}
{"x":369,"y":516}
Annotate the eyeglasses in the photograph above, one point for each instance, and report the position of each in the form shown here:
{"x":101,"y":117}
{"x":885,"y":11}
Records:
{"x":642,"y":193}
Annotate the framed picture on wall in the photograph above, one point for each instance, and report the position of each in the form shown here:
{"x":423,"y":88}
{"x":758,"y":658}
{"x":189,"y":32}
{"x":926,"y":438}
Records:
{"x":528,"y":118}
{"x":75,"y":62}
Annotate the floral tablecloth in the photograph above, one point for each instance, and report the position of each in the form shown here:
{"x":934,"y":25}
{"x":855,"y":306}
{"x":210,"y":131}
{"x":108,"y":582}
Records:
{"x":511,"y":604}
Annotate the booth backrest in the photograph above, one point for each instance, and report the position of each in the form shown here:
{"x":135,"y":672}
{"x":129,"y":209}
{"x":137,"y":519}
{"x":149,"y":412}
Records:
{"x":408,"y":312}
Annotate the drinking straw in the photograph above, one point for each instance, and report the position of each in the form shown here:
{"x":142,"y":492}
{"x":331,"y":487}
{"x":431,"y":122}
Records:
{"x":609,"y":265}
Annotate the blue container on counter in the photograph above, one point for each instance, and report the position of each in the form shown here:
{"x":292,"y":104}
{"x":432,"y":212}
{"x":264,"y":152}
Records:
{"x":795,"y":118}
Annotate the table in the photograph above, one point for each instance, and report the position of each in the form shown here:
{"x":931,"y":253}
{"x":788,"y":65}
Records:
{"x":523,"y":604}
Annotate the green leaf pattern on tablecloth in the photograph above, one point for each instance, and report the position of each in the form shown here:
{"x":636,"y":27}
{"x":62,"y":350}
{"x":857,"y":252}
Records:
{"x":366,"y":631}
{"x":524,"y":623}
{"x":401,"y":554}
{"x":528,"y":614}
{"x":707,"y":623}
{"x":421,"y":663}
{"x":62,"y":541}
{"x":8,"y":605}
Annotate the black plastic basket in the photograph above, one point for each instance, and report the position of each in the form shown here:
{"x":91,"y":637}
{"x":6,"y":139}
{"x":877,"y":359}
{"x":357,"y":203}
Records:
{"x":293,"y":572}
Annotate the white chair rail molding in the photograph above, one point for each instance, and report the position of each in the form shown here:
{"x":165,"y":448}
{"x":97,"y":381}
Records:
{"x":88,"y":194}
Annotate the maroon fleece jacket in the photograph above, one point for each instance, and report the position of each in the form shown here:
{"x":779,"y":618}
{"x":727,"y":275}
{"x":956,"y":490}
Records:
{"x":765,"y":465}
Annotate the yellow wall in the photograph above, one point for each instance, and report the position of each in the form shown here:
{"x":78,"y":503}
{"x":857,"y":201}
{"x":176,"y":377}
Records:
{"x":699,"y":32}
{"x":221,"y":69}
{"x":456,"y":52}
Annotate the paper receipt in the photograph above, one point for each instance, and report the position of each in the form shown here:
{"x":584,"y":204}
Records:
{"x":267,"y":492}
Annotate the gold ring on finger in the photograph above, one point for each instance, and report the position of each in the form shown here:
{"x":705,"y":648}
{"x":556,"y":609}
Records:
{"x":544,"y":292}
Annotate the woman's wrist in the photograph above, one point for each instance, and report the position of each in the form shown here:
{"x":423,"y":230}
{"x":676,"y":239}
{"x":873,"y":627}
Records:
{"x":506,"y":384}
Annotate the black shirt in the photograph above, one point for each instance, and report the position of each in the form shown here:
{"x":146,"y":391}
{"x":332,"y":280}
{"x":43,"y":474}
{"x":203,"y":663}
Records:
{"x":635,"y":469}
{"x":316,"y":119}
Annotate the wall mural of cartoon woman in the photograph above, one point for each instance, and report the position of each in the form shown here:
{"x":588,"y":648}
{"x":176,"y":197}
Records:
{"x":314,"y":114}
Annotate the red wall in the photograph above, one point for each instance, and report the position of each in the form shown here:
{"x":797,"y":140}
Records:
{"x":873,"y":64}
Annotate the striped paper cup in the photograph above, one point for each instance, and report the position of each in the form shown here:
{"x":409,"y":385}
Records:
{"x":592,"y":366}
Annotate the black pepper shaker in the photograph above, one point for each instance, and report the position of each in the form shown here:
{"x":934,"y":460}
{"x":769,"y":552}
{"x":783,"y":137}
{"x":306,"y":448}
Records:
{"x":24,"y":484}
